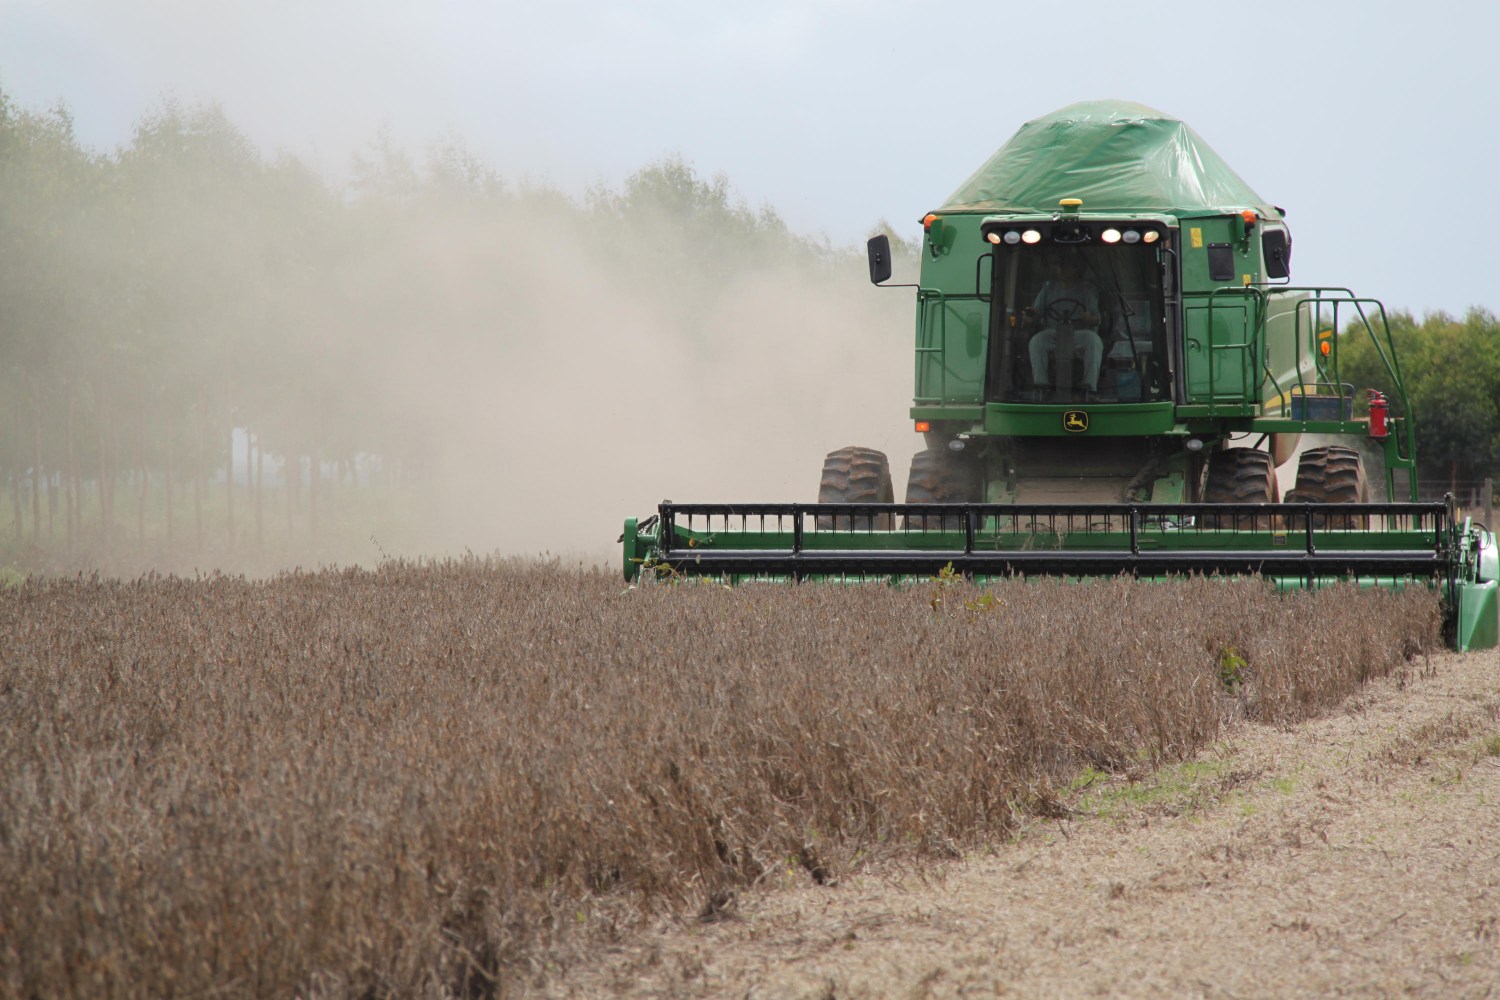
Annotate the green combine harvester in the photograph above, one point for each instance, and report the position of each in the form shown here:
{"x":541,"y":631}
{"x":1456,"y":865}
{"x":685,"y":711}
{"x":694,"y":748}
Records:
{"x":1111,"y":363}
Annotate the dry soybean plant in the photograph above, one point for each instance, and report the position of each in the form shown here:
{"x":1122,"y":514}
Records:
{"x":445,"y":779}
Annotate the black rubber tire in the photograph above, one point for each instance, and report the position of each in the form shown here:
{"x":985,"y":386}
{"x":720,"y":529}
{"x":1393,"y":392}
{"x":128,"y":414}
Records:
{"x":1331,"y":474}
{"x":856,"y":475}
{"x":940,"y":477}
{"x":1239,"y":475}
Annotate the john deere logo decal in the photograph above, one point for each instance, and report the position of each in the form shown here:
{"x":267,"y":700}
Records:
{"x":1076,"y":421}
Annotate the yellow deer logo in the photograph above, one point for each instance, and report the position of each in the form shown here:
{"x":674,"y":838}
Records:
{"x":1075,"y":421}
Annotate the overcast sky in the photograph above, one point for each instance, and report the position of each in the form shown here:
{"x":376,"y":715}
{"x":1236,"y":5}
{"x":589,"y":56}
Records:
{"x":1374,"y":124}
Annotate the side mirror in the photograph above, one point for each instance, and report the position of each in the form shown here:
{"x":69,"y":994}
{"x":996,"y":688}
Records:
{"x":1277,"y":249}
{"x":879,"y":251}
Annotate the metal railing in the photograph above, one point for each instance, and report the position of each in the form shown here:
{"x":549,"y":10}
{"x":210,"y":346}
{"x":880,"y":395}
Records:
{"x":932,"y":344}
{"x":1301,"y":541}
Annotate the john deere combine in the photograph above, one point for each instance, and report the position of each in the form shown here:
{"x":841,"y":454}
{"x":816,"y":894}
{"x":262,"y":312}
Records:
{"x":1111,"y":364}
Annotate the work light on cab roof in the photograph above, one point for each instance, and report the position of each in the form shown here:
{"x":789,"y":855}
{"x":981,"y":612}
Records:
{"x":1111,"y":365}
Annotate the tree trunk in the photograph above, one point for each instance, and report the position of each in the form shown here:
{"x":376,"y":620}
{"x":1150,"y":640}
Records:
{"x":114,"y":469}
{"x":198,"y":480}
{"x":36,"y":468}
{"x":139,"y":462}
{"x":54,"y":484}
{"x":171,"y":485}
{"x":70,"y":492}
{"x":293,"y":467}
{"x":15,"y":503}
{"x":103,"y":479}
{"x":12,"y":478}
{"x":229,"y":486}
{"x":140,"y":502}
{"x":105,"y":483}
{"x":260,"y":477}
{"x":312,"y":494}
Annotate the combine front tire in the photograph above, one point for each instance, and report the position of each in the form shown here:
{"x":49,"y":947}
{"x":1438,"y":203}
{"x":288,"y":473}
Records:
{"x":1331,"y":474}
{"x":939,"y":476}
{"x":1240,"y":475}
{"x":856,"y":475}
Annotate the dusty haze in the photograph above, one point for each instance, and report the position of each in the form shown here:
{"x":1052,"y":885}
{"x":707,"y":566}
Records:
{"x":476,"y":363}
{"x":570,"y":392}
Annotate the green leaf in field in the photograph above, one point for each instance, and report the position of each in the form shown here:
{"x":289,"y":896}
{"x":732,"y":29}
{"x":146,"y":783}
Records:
{"x":1232,"y":667}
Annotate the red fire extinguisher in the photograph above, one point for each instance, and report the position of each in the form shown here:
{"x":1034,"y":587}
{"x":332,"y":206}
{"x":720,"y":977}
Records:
{"x":1378,"y":410}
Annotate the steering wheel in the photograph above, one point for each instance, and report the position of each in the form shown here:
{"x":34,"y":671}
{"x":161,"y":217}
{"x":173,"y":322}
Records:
{"x":1064,"y":310}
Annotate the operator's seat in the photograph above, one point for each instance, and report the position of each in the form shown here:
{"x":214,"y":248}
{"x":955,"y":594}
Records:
{"x":1083,"y":349}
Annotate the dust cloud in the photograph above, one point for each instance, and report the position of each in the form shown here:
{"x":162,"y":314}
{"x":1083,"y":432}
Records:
{"x":471,"y":364}
{"x":551,"y":368}
{"x":588,"y":389}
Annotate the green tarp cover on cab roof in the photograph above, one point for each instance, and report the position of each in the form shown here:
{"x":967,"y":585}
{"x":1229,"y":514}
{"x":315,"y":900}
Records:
{"x":1117,"y":157}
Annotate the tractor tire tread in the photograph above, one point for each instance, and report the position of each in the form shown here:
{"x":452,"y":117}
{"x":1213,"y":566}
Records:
{"x":855,"y":475}
{"x":1331,"y":474}
{"x":940,"y":477}
{"x":1240,"y":475}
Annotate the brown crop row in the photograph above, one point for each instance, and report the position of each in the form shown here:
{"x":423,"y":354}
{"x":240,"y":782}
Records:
{"x":434,"y":780}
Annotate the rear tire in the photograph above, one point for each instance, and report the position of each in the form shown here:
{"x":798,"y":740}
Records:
{"x":940,"y":477}
{"x":856,"y":475}
{"x":1240,"y":475}
{"x":1331,"y":474}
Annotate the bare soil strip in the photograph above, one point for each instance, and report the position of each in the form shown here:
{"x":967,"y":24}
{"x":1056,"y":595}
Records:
{"x":1354,"y":855}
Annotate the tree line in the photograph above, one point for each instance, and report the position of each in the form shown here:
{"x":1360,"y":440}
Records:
{"x":205,"y":344}
{"x":186,"y":322}
{"x":1450,"y":367}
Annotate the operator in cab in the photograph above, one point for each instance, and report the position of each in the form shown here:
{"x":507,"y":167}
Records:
{"x":1067,"y":309}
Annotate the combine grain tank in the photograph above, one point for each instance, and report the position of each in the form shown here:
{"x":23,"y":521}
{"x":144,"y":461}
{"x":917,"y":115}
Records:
{"x":1112,"y":361}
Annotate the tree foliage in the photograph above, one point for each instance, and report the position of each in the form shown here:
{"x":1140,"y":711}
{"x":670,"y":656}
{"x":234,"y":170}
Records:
{"x":1451,"y":371}
{"x":159,"y":300}
{"x":188,"y":313}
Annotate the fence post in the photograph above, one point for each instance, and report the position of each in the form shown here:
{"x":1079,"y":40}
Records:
{"x":1489,"y":503}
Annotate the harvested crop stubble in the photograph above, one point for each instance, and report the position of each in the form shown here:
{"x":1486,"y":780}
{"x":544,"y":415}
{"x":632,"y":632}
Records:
{"x":436,"y":779}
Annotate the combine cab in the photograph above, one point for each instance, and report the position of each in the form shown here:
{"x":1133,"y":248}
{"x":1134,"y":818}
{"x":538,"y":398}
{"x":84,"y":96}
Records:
{"x":1112,"y":363}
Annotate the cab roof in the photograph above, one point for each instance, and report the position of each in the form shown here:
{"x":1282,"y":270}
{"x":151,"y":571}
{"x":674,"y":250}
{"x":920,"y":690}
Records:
{"x":1115,"y":155}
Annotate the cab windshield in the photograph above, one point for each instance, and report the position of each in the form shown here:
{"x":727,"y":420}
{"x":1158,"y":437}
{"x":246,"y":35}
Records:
{"x":1077,"y":323}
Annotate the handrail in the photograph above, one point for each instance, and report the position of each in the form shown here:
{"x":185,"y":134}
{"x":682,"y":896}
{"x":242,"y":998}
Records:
{"x":924,"y":296}
{"x":941,"y":298}
{"x":1249,"y":349}
{"x":1315,"y":300}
